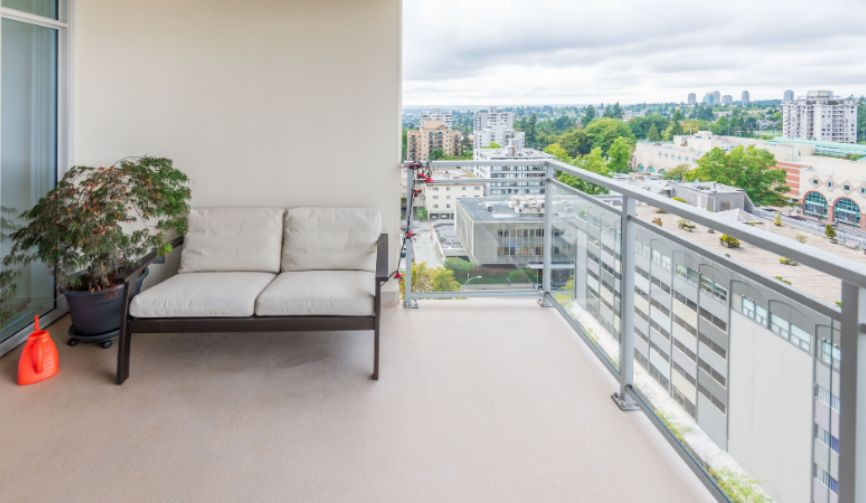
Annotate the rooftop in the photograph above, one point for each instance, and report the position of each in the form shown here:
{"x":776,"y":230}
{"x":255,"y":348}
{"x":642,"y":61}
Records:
{"x":478,"y":399}
{"x":511,"y":153}
{"x":503,"y":208}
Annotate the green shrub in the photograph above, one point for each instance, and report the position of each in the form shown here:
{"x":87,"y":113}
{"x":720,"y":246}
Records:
{"x":657,"y":221}
{"x":783,"y":280}
{"x":787,"y":261}
{"x":729,"y":241}
{"x":686,"y":225}
{"x":777,"y":220}
{"x":829,"y":231}
{"x":680,"y":199}
{"x":801,"y":238}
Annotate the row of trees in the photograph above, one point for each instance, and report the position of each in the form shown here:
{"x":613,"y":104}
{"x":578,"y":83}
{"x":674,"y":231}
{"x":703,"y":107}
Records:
{"x":660,"y":124}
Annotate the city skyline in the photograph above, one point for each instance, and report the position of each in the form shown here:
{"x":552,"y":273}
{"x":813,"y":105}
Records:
{"x":486,"y":53}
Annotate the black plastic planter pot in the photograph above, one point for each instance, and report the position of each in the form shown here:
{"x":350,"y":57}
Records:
{"x":99,"y":312}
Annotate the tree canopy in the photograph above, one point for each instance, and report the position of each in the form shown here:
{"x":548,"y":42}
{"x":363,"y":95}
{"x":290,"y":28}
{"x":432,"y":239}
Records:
{"x":603,"y":132}
{"x":595,"y":162}
{"x":749,"y":168}
{"x":619,"y":155}
{"x":588,"y":115}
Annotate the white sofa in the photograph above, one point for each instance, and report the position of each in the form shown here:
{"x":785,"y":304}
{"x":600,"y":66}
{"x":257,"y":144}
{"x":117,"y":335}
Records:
{"x":266,"y":269}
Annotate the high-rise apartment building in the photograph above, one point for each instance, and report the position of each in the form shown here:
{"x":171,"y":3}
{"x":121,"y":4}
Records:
{"x":432,"y":135}
{"x":789,"y":96}
{"x":492,"y":126}
{"x":745,"y":98}
{"x":727,"y":99}
{"x":516,"y":180}
{"x":693,"y":99}
{"x":820,"y":116}
{"x":445,"y":117}
{"x":713,"y":98}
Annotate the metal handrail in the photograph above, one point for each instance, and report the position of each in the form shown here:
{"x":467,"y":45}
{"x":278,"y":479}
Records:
{"x":835,"y":265}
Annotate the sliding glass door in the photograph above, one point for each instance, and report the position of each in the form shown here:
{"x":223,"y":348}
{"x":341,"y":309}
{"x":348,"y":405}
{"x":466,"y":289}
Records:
{"x":30,"y":48}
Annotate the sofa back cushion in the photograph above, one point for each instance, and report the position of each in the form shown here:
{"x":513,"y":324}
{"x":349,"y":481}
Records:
{"x":233,"y":239}
{"x":331,"y":239}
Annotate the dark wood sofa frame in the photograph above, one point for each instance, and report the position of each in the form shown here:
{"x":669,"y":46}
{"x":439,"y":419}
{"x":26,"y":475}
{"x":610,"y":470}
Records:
{"x":130,"y":325}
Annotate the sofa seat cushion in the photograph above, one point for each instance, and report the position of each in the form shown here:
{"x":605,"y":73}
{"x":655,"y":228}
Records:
{"x":331,"y":239}
{"x":202,"y":294}
{"x":233,"y":239}
{"x":319,"y":293}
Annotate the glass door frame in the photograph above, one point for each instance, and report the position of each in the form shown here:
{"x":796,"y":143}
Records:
{"x":64,"y":153}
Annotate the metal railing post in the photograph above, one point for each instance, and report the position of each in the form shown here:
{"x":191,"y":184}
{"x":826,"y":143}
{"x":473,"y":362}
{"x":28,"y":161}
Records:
{"x":852,"y":417}
{"x":547,"y":267}
{"x":409,"y":301}
{"x":623,"y":398}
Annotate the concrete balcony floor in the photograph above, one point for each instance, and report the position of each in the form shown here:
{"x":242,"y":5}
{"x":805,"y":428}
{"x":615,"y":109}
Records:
{"x":480,"y":400}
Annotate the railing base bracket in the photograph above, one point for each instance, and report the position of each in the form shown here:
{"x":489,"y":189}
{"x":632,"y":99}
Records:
{"x":412,"y":304}
{"x":544,"y":300}
{"x":625,"y":404}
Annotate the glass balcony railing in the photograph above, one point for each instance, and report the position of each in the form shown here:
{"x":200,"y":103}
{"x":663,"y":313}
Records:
{"x":741,"y":370}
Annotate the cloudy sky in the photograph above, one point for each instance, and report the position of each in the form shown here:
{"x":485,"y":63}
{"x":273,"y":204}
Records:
{"x":483,"y":52}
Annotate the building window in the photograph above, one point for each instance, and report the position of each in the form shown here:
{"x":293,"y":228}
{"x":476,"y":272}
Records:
{"x":815,"y":204}
{"x":830,"y":354}
{"x":847,"y":212}
{"x":826,"y":437}
{"x":827,"y":397}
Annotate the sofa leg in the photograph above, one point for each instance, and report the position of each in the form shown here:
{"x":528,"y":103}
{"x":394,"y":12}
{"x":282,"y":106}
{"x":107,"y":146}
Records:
{"x":376,"y":352}
{"x":123,"y":354}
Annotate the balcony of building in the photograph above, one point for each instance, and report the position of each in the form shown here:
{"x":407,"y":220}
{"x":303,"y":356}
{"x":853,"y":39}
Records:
{"x":728,"y":382}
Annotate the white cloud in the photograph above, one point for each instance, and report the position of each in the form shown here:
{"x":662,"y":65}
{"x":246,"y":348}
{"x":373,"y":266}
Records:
{"x":479,"y":52}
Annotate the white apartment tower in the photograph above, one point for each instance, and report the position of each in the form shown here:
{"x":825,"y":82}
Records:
{"x":693,"y":99}
{"x":820,"y":116}
{"x":745,"y":98}
{"x":495,"y":127}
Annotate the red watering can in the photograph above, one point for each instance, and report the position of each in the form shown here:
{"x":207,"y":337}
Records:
{"x":39,"y":360}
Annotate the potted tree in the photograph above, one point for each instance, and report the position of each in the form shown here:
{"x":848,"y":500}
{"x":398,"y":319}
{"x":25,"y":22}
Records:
{"x":94,"y":226}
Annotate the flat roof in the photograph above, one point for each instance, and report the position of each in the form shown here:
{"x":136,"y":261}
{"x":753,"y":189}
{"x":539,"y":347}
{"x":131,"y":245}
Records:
{"x":499,"y":211}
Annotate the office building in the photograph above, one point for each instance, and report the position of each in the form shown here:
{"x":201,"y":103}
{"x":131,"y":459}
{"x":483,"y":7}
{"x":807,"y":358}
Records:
{"x":745,"y":98}
{"x":788,"y":96}
{"x":693,"y":99}
{"x":727,"y":99}
{"x":820,"y":116}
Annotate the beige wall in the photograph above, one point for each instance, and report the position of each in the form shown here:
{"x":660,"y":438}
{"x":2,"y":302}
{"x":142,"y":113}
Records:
{"x":259,"y":102}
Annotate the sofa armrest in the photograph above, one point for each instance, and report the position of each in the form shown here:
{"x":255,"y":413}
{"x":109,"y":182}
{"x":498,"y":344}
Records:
{"x":135,"y":270}
{"x":382,"y":272}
